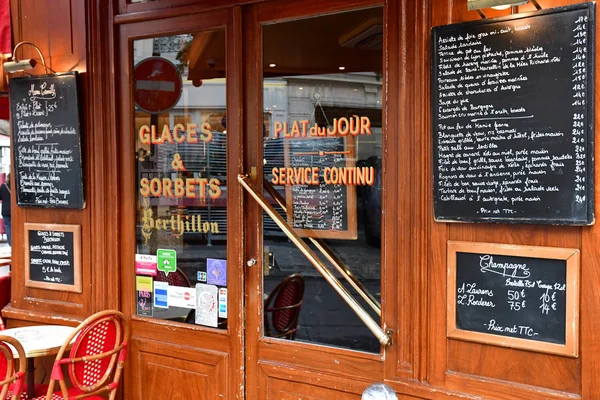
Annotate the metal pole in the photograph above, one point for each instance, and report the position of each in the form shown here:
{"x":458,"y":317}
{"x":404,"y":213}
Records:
{"x":373,"y":326}
{"x":331,"y":257}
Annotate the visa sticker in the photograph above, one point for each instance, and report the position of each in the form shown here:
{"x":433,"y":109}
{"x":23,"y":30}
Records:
{"x":222,"y":303}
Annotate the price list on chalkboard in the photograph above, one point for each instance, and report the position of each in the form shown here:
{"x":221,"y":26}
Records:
{"x":51,"y":257}
{"x":46,"y":141}
{"x":511,"y":296}
{"x":318,"y":209}
{"x":516,"y":296}
{"x":513,"y":118}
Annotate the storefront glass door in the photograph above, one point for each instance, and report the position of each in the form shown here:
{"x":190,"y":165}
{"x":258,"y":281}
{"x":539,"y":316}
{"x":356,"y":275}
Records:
{"x":314,"y":187}
{"x":322,"y":148}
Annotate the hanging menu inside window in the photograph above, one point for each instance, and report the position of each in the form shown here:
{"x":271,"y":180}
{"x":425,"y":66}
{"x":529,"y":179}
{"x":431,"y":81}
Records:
{"x":512,"y":108}
{"x":46,"y":141}
{"x":328,"y":209}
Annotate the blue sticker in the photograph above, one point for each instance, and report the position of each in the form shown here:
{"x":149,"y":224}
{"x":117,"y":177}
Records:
{"x":201,"y":276}
{"x":216,"y":271}
{"x":161,"y":294}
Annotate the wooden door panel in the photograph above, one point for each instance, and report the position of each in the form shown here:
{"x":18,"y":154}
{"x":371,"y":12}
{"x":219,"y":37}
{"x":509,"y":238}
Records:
{"x":161,"y":367}
{"x":286,"y":390}
{"x":512,"y":365}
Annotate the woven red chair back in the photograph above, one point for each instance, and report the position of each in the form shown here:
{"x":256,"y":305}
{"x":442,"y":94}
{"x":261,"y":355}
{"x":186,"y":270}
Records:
{"x":102,"y":336}
{"x":6,"y":368}
{"x":285,"y":310}
{"x":10,"y":378}
{"x":176,"y":278}
{"x":4,"y":295}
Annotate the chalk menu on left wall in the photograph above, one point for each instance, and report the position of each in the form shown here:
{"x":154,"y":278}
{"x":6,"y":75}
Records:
{"x":46,"y":139}
{"x":53,"y":257}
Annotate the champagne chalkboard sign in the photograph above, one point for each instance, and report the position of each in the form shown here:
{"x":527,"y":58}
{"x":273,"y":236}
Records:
{"x":516,"y":296}
{"x":53,"y":257}
{"x":326,"y":210}
{"x":46,"y":141}
{"x":513,"y":118}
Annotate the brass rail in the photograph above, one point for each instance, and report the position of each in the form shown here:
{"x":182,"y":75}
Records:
{"x":331,"y":257}
{"x":373,"y":326}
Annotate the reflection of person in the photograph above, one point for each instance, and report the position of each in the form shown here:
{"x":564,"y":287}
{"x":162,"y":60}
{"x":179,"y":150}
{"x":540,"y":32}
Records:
{"x":5,"y":197}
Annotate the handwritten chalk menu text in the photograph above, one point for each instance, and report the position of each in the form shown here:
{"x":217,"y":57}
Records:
{"x":512,"y":107}
{"x":46,"y":140}
{"x":323,"y":209}
{"x":53,"y":256}
{"x":511,"y":296}
{"x":517,"y":292}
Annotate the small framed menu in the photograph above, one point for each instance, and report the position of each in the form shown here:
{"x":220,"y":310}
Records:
{"x":524,"y":297}
{"x":46,"y":139}
{"x":326,"y":210}
{"x":53,"y":257}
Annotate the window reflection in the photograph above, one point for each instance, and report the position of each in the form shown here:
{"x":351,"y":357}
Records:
{"x":322,"y":92}
{"x":181,"y":261}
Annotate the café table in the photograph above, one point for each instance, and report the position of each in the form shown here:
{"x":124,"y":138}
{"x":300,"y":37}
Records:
{"x":38,"y":341}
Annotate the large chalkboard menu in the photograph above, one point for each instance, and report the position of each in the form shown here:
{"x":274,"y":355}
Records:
{"x":46,"y":141}
{"x":512,"y":109}
{"x":516,"y":296}
{"x":326,"y":210}
{"x":53,"y":257}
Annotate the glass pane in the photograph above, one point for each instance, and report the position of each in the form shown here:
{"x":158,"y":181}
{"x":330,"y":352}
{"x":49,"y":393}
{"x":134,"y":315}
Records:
{"x":180,"y":140}
{"x":322,"y":152}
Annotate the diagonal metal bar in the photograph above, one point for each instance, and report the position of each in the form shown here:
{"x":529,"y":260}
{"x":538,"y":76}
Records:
{"x":331,"y":257}
{"x":371,"y":324}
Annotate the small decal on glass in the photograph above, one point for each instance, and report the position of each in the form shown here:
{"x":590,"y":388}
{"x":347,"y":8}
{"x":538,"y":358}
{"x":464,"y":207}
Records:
{"x":206,"y":305}
{"x":161,"y":294}
{"x":222,"y":303}
{"x":143,"y":286}
{"x":145,"y":264}
{"x":216,"y":271}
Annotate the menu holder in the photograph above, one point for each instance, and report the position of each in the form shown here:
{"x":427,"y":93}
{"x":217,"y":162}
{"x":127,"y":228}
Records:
{"x":46,"y":140}
{"x":513,"y":118}
{"x":523,"y":297}
{"x":53,"y":257}
{"x":326,"y":211}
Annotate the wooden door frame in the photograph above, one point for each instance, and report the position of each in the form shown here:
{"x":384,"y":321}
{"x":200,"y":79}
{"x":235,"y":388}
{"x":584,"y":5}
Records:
{"x":268,"y":356}
{"x":227,"y":345}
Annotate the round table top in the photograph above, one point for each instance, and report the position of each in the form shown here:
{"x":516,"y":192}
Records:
{"x":39,"y":340}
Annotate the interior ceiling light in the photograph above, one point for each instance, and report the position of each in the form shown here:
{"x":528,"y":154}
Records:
{"x":497,"y":4}
{"x":272,"y":65}
{"x":341,"y":68}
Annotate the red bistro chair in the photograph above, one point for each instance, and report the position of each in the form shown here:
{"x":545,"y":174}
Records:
{"x":176,"y":278}
{"x":4,"y":297}
{"x":286,"y":301}
{"x":96,"y":359}
{"x":11,"y":381}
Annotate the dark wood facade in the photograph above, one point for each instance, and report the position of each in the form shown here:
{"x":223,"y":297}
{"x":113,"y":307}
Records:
{"x":94,"y":38}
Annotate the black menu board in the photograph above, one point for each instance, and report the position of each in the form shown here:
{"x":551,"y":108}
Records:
{"x":516,"y":296}
{"x":512,"y":108}
{"x":46,"y":141}
{"x":326,"y":210}
{"x":53,"y":256}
